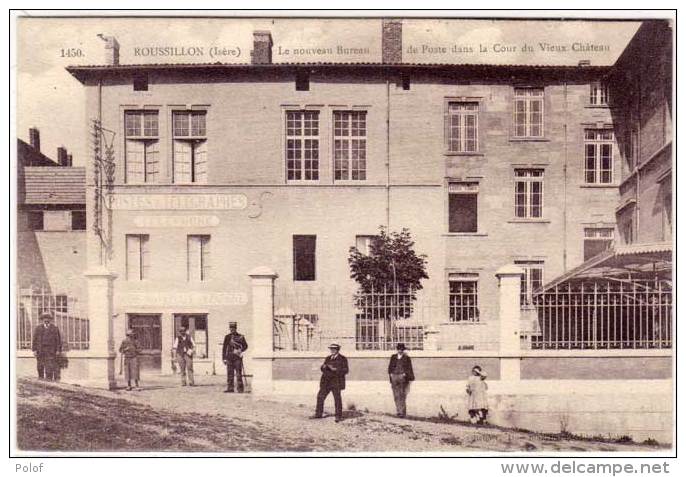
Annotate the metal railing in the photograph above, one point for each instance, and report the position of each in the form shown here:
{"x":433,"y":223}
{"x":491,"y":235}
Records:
{"x":604,"y":314}
{"x":377,"y":320}
{"x":66,"y":311}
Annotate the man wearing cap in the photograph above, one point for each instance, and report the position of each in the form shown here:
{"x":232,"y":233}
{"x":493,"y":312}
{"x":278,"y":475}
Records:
{"x":334,"y":369}
{"x":183,"y":349}
{"x":47,"y":344}
{"x":401,"y":375}
{"x":130,"y":350}
{"x":232,"y":355}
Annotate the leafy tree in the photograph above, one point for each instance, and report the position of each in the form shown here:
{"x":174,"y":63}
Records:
{"x":389,"y":276}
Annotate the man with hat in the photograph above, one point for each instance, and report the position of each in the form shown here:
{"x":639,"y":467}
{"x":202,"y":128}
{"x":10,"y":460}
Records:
{"x":183,"y":350}
{"x":130,"y":350}
{"x":232,"y":355}
{"x":401,"y":375}
{"x":47,"y":344}
{"x":334,"y":369}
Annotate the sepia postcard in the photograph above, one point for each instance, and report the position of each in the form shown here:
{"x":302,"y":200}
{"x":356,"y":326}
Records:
{"x":340,"y":234}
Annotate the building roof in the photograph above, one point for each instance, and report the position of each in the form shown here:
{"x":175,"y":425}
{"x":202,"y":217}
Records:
{"x":54,"y":185}
{"x":83,"y":72}
{"x":624,"y":262}
{"x":27,"y":155}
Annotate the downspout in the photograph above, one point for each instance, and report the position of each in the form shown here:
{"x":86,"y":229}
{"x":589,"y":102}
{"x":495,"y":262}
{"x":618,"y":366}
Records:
{"x":564,"y":188}
{"x":388,"y":153}
{"x":97,"y":170}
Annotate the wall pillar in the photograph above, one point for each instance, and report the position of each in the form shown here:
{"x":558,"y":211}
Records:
{"x":261,"y":357}
{"x":101,"y":355}
{"x":509,"y":283}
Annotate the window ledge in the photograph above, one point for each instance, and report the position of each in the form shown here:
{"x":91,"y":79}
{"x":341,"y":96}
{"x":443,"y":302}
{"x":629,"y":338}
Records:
{"x":599,"y":186}
{"x":597,"y":106}
{"x":529,"y":139}
{"x":477,"y":154}
{"x":463,"y":323}
{"x":465,"y":234}
{"x":528,"y":221}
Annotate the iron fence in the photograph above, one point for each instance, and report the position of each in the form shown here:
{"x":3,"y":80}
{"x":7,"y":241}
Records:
{"x":377,"y":320}
{"x":604,"y":314}
{"x":66,"y":311}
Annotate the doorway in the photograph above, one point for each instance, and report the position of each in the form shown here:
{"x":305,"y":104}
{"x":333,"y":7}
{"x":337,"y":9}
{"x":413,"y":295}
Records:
{"x":148,"y":331}
{"x":196,"y":324}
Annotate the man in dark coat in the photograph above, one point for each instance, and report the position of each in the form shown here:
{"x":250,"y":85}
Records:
{"x":334,"y":369}
{"x":232,"y":355}
{"x":47,"y":344}
{"x":400,"y":374}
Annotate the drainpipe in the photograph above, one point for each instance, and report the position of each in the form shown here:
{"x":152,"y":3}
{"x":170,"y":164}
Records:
{"x":388,"y":153}
{"x":98,"y":170}
{"x":564,"y":189}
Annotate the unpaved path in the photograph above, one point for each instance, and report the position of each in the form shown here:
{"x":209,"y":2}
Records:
{"x":166,"y":417}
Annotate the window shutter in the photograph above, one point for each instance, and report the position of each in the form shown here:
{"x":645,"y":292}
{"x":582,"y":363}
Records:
{"x":193,"y":259}
{"x":182,"y":162}
{"x":135,"y":154}
{"x":152,"y":160}
{"x":205,"y":256}
{"x":132,"y":257}
{"x":145,"y":257}
{"x":200,"y":157}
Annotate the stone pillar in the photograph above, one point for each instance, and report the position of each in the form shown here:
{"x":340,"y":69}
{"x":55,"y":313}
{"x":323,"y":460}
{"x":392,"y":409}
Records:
{"x":101,"y":355}
{"x":262,"y":279}
{"x":509,"y":278}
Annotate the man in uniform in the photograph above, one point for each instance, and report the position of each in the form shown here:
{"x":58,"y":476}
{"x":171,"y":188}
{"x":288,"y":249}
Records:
{"x":183,"y":350}
{"x":232,"y":354}
{"x":47,"y":344}
{"x":334,"y":369}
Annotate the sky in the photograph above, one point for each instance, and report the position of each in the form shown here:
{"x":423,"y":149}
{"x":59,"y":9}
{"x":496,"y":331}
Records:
{"x":50,"y":99}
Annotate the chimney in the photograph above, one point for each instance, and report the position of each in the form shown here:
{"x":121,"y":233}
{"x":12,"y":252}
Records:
{"x":62,"y":156}
{"x":392,"y":41}
{"x":583,"y":63}
{"x":34,"y":138}
{"x":69,"y":160}
{"x":262,"y":48}
{"x":111,"y":49}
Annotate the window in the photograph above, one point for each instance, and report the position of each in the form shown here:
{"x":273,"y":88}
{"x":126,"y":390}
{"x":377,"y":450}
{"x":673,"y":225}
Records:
{"x":350,"y":145}
{"x":667,"y":216}
{"x":463,"y":127}
{"x":304,"y":257}
{"x":597,"y":240}
{"x":35,"y":219}
{"x":363,"y":243}
{"x":302,"y":81}
{"x":78,"y":220}
{"x":198,"y":257}
{"x":598,"y":163}
{"x":405,"y":81}
{"x":463,"y":297}
{"x":147,"y":330}
{"x":634,"y":158}
{"x":599,"y":94}
{"x":140,"y":83}
{"x":197,"y":328}
{"x":366,"y":332}
{"x":531,"y":281}
{"x":529,"y":193}
{"x":528,"y":112}
{"x":628,"y":232}
{"x":462,"y":207}
{"x":137,"y":257}
{"x":190,"y":147}
{"x":61,"y":303}
{"x":142,"y":146}
{"x":302,"y":145}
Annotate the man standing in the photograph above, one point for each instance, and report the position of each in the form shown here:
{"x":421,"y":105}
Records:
{"x":183,"y":350}
{"x":334,"y":369}
{"x":47,"y":344}
{"x":130,"y":350}
{"x":232,"y":354}
{"x":401,"y":375}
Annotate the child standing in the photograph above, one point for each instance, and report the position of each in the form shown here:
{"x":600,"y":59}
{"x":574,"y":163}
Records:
{"x":477,"y":398}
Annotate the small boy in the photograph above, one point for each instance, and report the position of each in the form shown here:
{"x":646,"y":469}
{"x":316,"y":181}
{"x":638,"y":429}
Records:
{"x":130,"y":350}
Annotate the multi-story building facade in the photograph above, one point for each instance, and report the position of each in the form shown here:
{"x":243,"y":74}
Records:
{"x":219,"y":169}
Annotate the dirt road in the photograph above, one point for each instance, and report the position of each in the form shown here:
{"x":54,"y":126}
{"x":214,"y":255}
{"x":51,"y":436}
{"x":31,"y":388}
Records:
{"x":165,"y":417}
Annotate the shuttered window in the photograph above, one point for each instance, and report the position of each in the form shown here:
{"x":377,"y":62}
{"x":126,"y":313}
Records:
{"x":190,"y":147}
{"x":142,"y":146}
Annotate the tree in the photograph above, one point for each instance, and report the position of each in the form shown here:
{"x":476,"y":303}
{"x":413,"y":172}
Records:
{"x":389,"y":276}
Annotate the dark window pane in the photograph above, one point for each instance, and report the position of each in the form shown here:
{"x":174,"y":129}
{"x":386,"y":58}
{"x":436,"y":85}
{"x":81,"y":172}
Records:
{"x":594,"y":247}
{"x":304,"y":253}
{"x":35,"y":220}
{"x":78,"y":220}
{"x":462,"y":213}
